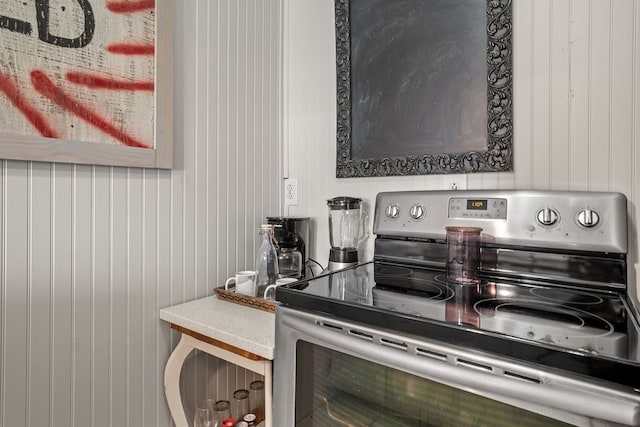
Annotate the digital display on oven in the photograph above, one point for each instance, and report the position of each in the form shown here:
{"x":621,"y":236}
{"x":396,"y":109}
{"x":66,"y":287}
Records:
{"x":490,"y":208}
{"x":476,"y":205}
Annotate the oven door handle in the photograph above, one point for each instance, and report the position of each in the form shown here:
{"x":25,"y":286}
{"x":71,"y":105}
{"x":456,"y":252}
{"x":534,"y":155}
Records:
{"x":567,"y":395}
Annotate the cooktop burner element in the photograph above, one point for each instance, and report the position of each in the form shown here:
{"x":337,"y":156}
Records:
{"x":552,"y":287}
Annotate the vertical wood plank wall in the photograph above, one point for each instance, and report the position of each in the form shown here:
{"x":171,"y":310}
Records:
{"x":88,"y":254}
{"x":576,"y":110}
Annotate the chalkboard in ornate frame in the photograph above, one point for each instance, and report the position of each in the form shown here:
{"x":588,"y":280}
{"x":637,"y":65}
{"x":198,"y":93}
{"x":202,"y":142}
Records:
{"x":423,"y":87}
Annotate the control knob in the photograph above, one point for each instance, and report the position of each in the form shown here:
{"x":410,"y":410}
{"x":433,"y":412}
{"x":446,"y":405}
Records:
{"x":392,"y":211}
{"x":416,"y":212}
{"x":588,"y":218}
{"x":547,"y":216}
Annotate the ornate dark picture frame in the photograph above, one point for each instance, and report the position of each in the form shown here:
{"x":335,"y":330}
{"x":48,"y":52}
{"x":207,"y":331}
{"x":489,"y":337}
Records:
{"x":498,"y":156}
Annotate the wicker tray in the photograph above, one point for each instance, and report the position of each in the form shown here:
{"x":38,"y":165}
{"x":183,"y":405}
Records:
{"x":246,"y":300}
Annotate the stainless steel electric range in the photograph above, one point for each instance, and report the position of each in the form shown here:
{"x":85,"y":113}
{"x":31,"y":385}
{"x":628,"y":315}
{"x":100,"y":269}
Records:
{"x":547,"y":336}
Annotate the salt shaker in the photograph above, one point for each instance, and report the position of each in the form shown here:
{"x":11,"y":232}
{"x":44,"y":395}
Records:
{"x":267,"y":260}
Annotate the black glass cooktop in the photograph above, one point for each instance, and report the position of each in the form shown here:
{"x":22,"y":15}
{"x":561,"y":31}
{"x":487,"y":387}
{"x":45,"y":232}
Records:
{"x":587,"y":332}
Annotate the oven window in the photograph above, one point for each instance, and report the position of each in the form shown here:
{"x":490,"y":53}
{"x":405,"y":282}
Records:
{"x":335,"y":389}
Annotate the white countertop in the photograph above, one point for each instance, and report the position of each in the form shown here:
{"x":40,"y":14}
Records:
{"x":247,"y":328}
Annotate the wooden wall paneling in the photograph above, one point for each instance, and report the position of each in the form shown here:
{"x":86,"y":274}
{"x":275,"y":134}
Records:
{"x":622,"y":94}
{"x":241,"y":166}
{"x":62,"y":322}
{"x":223,"y":380}
{"x":579,"y":70}
{"x":164,"y":286}
{"x":89,"y":254}
{"x":560,"y":93}
{"x":102,"y":297}
{"x":211,"y":149}
{"x":523,"y":91}
{"x":135,"y":296}
{"x":599,"y":122}
{"x":541,"y":153}
{"x":200,"y":214}
{"x":225,"y":262}
{"x":119,"y":319}
{"x":258,"y":114}
{"x":271,"y":147}
{"x":247,"y":159}
{"x":177,"y":243}
{"x":191,"y":389}
{"x":189,"y":151}
{"x":39,"y":336}
{"x":81,"y":212}
{"x":15,"y":345}
{"x":232,"y":136}
{"x":185,"y":85}
{"x":151,"y":365}
{"x":197,"y":57}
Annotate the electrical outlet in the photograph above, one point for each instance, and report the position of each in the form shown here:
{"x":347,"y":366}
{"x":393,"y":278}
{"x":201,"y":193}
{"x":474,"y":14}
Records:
{"x":291,"y":191}
{"x":458,"y":184}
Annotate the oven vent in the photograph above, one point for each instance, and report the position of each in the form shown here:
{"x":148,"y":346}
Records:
{"x":432,"y":354}
{"x":474,"y":365}
{"x":331,"y":326}
{"x":398,"y":345}
{"x":350,"y":331}
{"x":522,"y":377}
{"x":360,"y":334}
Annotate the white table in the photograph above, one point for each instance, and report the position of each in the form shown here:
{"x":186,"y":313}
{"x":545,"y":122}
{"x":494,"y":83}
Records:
{"x":240,"y":335}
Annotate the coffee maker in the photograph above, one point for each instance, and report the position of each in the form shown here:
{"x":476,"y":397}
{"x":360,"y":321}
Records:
{"x":292,"y":235}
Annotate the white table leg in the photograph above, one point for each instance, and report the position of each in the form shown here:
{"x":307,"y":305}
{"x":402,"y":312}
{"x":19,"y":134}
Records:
{"x":174,"y":364}
{"x":172,"y":381}
{"x":268,"y":395}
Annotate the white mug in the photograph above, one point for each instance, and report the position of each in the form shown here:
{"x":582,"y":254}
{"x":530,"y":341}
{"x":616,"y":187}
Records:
{"x":245,"y":282}
{"x":279,"y":282}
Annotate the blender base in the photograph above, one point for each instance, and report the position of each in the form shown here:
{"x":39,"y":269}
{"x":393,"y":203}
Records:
{"x":342,"y":258}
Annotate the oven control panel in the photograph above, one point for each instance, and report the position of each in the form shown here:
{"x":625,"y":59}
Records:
{"x":477,"y":208}
{"x":578,"y":220}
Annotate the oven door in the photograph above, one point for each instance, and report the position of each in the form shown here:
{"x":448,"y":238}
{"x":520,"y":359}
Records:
{"x":328,"y":372}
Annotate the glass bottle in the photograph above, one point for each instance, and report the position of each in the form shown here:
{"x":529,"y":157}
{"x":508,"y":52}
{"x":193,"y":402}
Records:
{"x":267,"y":260}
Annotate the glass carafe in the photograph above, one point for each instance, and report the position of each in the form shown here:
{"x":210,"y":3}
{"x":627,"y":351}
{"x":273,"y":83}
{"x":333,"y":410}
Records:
{"x":347,"y":222}
{"x":289,"y":262}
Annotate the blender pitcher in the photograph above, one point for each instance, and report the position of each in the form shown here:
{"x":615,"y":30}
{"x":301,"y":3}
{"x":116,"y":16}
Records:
{"x":347,"y":229}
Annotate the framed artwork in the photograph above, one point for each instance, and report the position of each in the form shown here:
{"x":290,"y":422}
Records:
{"x":87,"y":81}
{"x":423,"y":87}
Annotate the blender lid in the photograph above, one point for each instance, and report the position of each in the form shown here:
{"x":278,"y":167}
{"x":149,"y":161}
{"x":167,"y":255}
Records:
{"x":344,"y":202}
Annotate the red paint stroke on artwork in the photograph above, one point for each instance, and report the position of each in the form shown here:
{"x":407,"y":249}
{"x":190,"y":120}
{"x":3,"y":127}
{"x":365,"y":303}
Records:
{"x":47,"y":88}
{"x":131,"y":49}
{"x":130,"y":6}
{"x":11,"y":91}
{"x":97,"y":82}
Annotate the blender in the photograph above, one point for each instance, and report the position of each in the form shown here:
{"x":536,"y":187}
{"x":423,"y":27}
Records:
{"x":347,"y":229}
